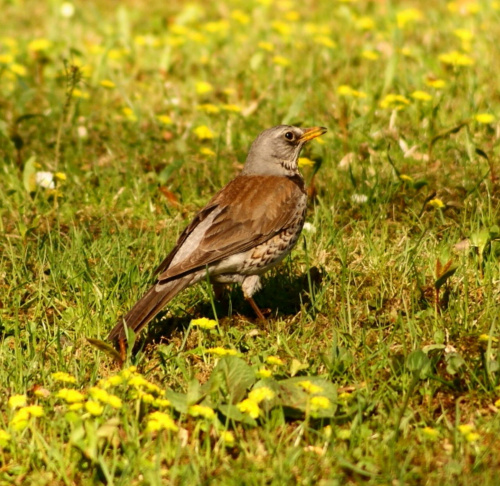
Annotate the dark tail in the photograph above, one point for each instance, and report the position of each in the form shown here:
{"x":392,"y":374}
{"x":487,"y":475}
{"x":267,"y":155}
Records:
{"x":148,"y":306}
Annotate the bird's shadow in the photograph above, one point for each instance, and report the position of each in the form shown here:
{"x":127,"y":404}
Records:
{"x":282,"y":296}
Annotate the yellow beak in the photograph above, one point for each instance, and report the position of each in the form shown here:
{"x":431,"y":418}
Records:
{"x":313,"y":132}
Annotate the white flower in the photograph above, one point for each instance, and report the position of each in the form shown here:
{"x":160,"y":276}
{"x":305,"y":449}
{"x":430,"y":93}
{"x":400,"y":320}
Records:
{"x":67,"y":10}
{"x":359,"y":198}
{"x":45,"y":180}
{"x":310,"y":228}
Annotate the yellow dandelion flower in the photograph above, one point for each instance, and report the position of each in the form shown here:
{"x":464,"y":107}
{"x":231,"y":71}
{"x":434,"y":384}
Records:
{"x":407,"y":17}
{"x":34,"y":411}
{"x":259,"y":394}
{"x":436,"y":83}
{"x":226,"y":435}
{"x":78,"y":93}
{"x":203,"y":132}
{"x":218,"y":351}
{"x":275,"y":360}
{"x":266,"y":46}
{"x":115,"y":54}
{"x":370,"y":55}
{"x":347,"y":91}
{"x":240,"y":17}
{"x":465,"y":429}
{"x":484,"y":118}
{"x":164,"y":119}
{"x":63,"y":377}
{"x":129,"y":114}
{"x":75,"y":406}
{"x":202,"y":87}
{"x":70,"y":396}
{"x":365,"y":23}
{"x":114,"y":380}
{"x":207,"y":151}
{"x":436,"y":203}
{"x":6,"y":58}
{"x":472,"y":437}
{"x":394,"y":102}
{"x":39,"y":45}
{"x":320,"y":403}
{"x":20,"y":420}
{"x":430,"y":433}
{"x":305,"y":162}
{"x":249,"y":407}
{"x":281,"y":61}
{"x":161,"y":403}
{"x":292,"y":16}
{"x":4,"y":438}
{"x":107,"y":83}
{"x":201,"y":411}
{"x":281,"y":28}
{"x":9,"y":42}
{"x":421,"y":96}
{"x":486,"y":337}
{"x":263,"y":373}
{"x":204,"y":323}
{"x":146,"y":397}
{"x":94,"y":408}
{"x":219,"y":26}
{"x":345,"y":396}
{"x":16,"y":401}
{"x":231,"y":108}
{"x":310,"y":387}
{"x":406,"y":178}
{"x":455,"y":58}
{"x":18,"y":69}
{"x":208,"y":108}
{"x":325,"y":41}
{"x":464,"y":34}
{"x":160,"y":421}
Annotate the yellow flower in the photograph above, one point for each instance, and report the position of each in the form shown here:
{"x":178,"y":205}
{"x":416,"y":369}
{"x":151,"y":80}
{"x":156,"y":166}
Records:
{"x":161,"y":402}
{"x":94,"y":408}
{"x":437,"y":203}
{"x":365,"y":23}
{"x":208,"y":108}
{"x":207,"y":151}
{"x":486,"y":337}
{"x":16,"y":401}
{"x":436,"y":83}
{"x":146,"y":397}
{"x":249,"y":407}
{"x":430,"y":433}
{"x":5,"y":437}
{"x":34,"y":411}
{"x":266,"y":46}
{"x":75,"y":406}
{"x":310,"y":387}
{"x":421,"y":96}
{"x":160,"y":421}
{"x":70,"y":396}
{"x":325,"y":41}
{"x":408,"y":16}
{"x":292,"y":16}
{"x":201,"y":411}
{"x":240,"y":17}
{"x":202,"y":87}
{"x":204,"y":323}
{"x":203,"y":132}
{"x":282,"y":28}
{"x":107,"y":83}
{"x":394,"y":101}
{"x":6,"y":58}
{"x":78,"y":93}
{"x":370,"y":55}
{"x":464,"y":34}
{"x":320,"y":403}
{"x":18,"y":69}
{"x":472,"y":437}
{"x":465,"y":429}
{"x":259,"y":394}
{"x":281,"y":61}
{"x":406,"y":178}
{"x":38,"y":45}
{"x":305,"y":162}
{"x":138,"y":382}
{"x":274,"y":360}
{"x":263,"y":373}
{"x":346,"y":90}
{"x":110,"y":381}
{"x":20,"y":420}
{"x":232,"y":108}
{"x":484,"y":118}
{"x":226,"y":435}
{"x":218,"y":351}
{"x":129,"y":114}
{"x":164,"y":119}
{"x":455,"y":58}
{"x":116,"y":54}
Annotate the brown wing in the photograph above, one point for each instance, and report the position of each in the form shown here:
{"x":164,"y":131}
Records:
{"x":247,"y":212}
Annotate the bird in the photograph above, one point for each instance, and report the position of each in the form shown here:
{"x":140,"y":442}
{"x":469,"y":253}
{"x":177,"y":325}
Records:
{"x":248,"y":227}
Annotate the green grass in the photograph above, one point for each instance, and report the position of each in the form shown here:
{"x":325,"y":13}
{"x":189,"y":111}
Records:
{"x":389,"y":304}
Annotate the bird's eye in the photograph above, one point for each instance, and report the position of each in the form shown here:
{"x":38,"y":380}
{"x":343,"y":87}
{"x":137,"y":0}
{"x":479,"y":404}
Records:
{"x":289,"y":136}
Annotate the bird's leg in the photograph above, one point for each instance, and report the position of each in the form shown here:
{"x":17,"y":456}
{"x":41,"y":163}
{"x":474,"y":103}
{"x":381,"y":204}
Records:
{"x":256,"y":309}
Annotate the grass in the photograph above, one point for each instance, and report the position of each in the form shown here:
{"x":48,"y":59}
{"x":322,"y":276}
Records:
{"x":385,"y":317}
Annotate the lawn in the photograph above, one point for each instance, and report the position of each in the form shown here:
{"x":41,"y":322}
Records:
{"x":379,"y":362}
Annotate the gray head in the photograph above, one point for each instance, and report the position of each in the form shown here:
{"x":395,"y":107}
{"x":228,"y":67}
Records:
{"x":276,"y":150}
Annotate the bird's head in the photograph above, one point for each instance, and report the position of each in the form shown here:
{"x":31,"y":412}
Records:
{"x":276,"y":150}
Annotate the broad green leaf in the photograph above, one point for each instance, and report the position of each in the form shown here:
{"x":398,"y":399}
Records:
{"x":453,"y":363}
{"x":237,"y":376}
{"x":29,"y":174}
